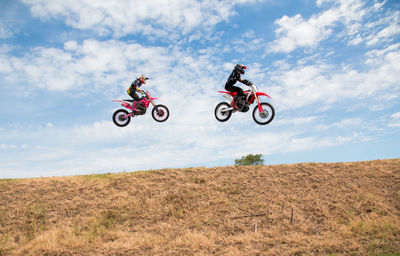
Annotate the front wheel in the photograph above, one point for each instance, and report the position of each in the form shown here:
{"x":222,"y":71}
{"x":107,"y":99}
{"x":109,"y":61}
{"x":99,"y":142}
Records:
{"x":120,"y":119}
{"x":265,"y":116}
{"x":221,"y":113}
{"x":160,"y":113}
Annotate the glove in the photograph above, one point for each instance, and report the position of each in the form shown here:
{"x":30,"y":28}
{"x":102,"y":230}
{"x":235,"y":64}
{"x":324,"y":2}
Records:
{"x":246,"y":82}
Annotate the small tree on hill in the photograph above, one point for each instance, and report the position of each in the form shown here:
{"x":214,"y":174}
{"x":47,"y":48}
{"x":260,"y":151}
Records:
{"x":250,"y":160}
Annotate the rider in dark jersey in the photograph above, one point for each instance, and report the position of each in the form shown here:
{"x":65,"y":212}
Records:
{"x":135,"y":87}
{"x":233,"y":78}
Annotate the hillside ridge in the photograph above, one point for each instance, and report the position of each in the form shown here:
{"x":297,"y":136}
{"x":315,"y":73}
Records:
{"x":349,"y":208}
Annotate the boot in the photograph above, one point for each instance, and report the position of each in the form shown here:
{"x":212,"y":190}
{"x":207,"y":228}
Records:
{"x":233,"y":104}
{"x":238,"y":101}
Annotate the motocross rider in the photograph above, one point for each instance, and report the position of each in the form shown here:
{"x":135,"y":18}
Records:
{"x":233,"y":78}
{"x":135,"y":87}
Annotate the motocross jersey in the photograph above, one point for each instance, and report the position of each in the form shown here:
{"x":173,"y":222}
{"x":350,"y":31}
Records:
{"x":135,"y":87}
{"x":233,"y":78}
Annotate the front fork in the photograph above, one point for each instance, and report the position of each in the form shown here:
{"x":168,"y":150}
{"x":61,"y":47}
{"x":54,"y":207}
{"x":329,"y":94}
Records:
{"x":154,"y":105}
{"x":151,"y":101}
{"x":259,"y":105}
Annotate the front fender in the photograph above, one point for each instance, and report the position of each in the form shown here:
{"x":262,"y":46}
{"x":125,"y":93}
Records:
{"x":263,"y":94}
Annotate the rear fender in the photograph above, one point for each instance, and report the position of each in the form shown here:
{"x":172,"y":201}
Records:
{"x":124,"y":103}
{"x":230,"y":93}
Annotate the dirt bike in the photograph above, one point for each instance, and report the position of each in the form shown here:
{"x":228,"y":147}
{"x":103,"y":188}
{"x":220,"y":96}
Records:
{"x":122,"y":117}
{"x":263,"y":113}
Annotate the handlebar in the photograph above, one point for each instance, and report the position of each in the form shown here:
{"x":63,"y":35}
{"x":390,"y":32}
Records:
{"x":247,"y":82}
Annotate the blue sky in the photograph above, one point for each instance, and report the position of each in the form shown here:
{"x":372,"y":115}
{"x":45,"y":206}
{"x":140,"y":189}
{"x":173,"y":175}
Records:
{"x":332,"y":68}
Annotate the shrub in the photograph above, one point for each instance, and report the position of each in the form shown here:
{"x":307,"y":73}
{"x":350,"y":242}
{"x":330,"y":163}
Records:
{"x":250,"y":160}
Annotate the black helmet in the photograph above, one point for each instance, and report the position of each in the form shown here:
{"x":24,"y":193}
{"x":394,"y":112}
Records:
{"x":240,"y":68}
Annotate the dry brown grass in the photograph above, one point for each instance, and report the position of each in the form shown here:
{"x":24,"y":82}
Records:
{"x":300,"y":209}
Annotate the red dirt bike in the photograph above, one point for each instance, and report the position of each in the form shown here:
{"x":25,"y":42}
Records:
{"x":263,"y":113}
{"x":122,"y":117}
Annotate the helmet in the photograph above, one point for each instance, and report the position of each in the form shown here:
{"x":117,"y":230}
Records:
{"x":240,"y":68}
{"x":143,"y":79}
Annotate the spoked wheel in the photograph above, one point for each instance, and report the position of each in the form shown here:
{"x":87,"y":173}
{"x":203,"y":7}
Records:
{"x":265,"y":116}
{"x":160,"y":113}
{"x":220,"y":112}
{"x":119,"y":118}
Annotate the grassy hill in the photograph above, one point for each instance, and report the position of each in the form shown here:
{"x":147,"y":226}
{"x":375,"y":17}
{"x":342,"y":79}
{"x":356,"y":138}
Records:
{"x":299,"y":209}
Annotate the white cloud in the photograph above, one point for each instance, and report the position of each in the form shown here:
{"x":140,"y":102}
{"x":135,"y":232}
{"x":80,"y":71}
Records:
{"x":4,"y":48}
{"x":243,"y":46}
{"x":7,"y":146}
{"x":355,"y":41}
{"x":303,"y":85}
{"x":396,"y":115}
{"x":377,"y":53}
{"x":348,"y":122}
{"x":5,"y":65}
{"x":5,"y":32}
{"x":92,"y":64}
{"x":296,"y":32}
{"x":395,"y":120}
{"x":345,"y":123}
{"x":70,"y":46}
{"x":388,"y":33}
{"x":151,"y":17}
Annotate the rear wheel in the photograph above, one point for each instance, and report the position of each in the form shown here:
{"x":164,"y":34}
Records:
{"x":160,"y":113}
{"x":119,"y":118}
{"x":220,"y":112}
{"x":265,"y":116}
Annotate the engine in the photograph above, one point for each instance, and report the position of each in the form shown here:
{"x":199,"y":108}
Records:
{"x":242,"y":104}
{"x":142,"y":109}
